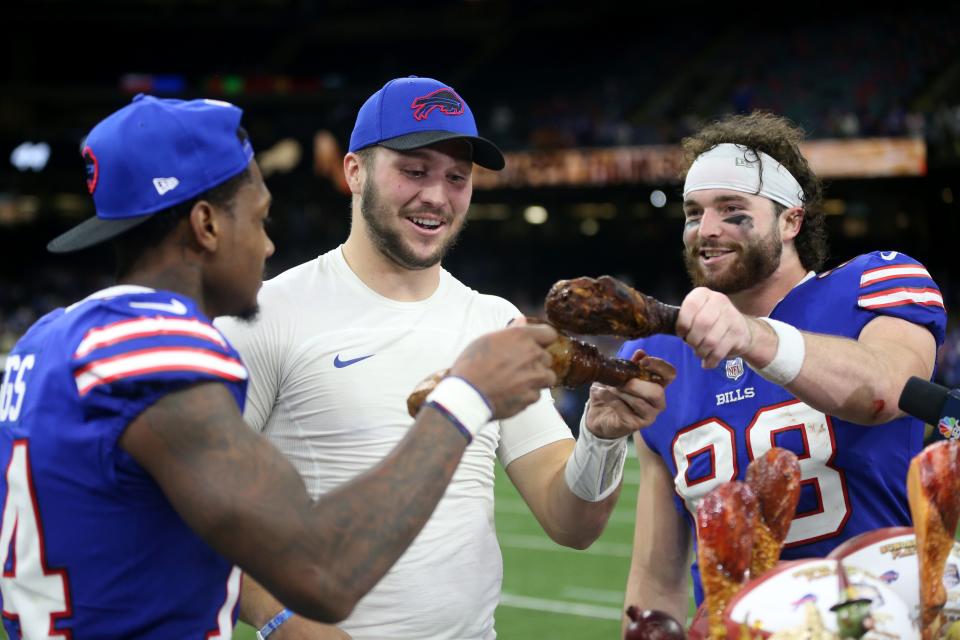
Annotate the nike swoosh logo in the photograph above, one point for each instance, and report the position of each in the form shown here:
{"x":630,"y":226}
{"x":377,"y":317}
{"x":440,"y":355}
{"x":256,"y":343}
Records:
{"x":340,"y":364}
{"x":174,"y":306}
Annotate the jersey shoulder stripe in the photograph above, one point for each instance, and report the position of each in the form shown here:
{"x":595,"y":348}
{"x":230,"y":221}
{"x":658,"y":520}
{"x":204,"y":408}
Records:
{"x":137,"y":328}
{"x":155,"y":360}
{"x":899,"y":296}
{"x":883,"y":274}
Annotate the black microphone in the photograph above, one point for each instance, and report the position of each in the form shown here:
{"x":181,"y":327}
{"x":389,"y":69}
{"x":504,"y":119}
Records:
{"x":933,"y":404}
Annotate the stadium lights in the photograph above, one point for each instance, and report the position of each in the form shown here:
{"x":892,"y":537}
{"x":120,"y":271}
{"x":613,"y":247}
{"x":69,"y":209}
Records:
{"x":283,"y":157}
{"x":658,"y":198}
{"x":31,"y":156}
{"x":589,"y":226}
{"x":157,"y":83}
{"x":535,"y":214}
{"x":489,"y":212}
{"x":834,"y":206}
{"x":601,"y":210}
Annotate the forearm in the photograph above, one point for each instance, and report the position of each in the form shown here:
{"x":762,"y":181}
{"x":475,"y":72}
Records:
{"x":572,"y":521}
{"x":844,"y":378}
{"x":660,"y":563}
{"x":257,"y":606}
{"x":660,"y":566}
{"x":569,"y":520}
{"x":644,"y":592}
{"x":857,"y":380}
{"x":317,"y":557}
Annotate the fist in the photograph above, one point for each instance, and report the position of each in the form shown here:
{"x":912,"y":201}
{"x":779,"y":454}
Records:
{"x":652,"y":625}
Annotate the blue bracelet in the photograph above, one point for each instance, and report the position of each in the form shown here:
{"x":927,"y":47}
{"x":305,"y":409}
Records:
{"x":272,"y":626}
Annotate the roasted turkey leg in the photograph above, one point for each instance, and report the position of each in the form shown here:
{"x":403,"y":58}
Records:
{"x":726,"y":522}
{"x":775,"y":479}
{"x":933,"y":490}
{"x":575,"y":363}
{"x":606,"y":306}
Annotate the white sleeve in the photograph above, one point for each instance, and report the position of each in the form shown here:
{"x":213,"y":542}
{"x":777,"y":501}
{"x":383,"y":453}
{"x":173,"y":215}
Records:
{"x":262,"y":355}
{"x":538,"y":425}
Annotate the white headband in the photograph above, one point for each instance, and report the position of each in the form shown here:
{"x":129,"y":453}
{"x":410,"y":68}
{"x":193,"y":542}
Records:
{"x":735,"y":167}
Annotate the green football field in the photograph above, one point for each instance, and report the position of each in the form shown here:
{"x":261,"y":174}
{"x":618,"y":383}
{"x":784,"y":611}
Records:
{"x":551,"y":591}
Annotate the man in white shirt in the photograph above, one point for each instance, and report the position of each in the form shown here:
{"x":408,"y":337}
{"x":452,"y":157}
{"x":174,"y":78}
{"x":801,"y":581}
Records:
{"x":343,"y":339}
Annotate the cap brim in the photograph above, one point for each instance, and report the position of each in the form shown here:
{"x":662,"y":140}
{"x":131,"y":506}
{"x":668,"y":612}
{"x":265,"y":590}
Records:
{"x":92,"y":231}
{"x":485,"y":153}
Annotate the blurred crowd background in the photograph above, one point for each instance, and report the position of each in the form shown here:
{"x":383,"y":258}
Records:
{"x":590,"y":99}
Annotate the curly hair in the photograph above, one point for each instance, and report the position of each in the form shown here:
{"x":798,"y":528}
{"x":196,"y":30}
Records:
{"x":779,"y":138}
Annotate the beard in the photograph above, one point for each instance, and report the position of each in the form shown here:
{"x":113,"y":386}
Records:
{"x":756,"y":262}
{"x":390,"y":240}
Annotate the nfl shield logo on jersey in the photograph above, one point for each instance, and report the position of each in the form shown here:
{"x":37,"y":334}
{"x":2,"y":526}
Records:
{"x":734,"y":368}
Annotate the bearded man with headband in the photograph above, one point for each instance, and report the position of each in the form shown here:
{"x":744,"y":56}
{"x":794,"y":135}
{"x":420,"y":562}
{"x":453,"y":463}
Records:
{"x":773,"y":353}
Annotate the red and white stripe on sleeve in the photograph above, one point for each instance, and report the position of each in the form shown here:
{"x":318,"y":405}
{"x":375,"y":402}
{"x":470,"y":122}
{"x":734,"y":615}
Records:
{"x":898,"y":290}
{"x":157,"y":345}
{"x":899,"y":296}
{"x":155,"y":360}
{"x":117,"y":332}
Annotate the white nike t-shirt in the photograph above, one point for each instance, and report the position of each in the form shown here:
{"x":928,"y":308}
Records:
{"x":331,"y":365}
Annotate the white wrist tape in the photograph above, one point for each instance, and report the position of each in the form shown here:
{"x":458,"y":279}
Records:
{"x":462,"y":404}
{"x":786,"y":365}
{"x":595,"y":468}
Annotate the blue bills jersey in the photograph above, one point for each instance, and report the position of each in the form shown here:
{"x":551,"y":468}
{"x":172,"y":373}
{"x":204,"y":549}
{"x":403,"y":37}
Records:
{"x":853,"y":478}
{"x":90,"y":547}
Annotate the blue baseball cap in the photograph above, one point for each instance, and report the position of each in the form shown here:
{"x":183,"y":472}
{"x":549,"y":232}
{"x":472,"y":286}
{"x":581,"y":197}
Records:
{"x":151,"y":155}
{"x":409,"y":113}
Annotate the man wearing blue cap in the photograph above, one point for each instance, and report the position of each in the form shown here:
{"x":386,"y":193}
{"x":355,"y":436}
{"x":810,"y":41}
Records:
{"x":131,"y":485}
{"x":344,"y":339}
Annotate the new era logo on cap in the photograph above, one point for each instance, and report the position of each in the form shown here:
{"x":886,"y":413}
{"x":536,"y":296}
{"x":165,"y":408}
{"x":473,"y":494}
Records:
{"x":163,"y":185}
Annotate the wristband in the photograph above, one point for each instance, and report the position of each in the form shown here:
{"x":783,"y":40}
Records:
{"x":462,"y":404}
{"x":264,"y":632}
{"x":791,"y":348}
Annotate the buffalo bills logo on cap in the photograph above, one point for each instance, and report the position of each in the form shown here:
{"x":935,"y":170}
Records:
{"x":93,"y":168}
{"x":444,"y":99}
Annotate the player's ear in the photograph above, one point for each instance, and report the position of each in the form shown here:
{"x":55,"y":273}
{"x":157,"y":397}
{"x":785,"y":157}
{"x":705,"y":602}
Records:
{"x":205,"y":225}
{"x":352,"y":172}
{"x":791,"y":221}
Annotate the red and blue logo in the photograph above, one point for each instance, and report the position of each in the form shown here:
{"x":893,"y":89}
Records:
{"x":734,"y":368}
{"x":445,"y":99}
{"x":889,"y":576}
{"x":810,"y":597}
{"x":92,"y":167}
